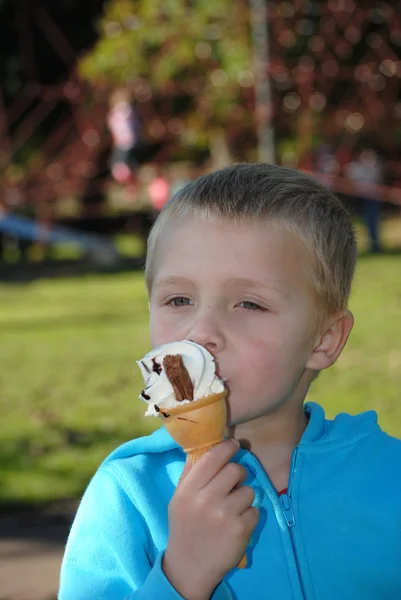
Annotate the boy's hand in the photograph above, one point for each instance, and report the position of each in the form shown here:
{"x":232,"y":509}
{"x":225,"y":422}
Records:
{"x":210,"y":523}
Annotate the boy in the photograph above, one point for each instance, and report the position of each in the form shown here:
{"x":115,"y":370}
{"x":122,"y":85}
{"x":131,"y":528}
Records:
{"x":254,"y":262}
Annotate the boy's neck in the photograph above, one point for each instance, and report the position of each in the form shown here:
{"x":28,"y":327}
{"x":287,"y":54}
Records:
{"x":272,"y":438}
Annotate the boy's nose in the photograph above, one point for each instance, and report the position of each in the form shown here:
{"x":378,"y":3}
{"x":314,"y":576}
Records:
{"x":207,"y":333}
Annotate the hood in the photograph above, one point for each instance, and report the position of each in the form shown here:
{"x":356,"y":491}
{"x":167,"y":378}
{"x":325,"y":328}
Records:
{"x":320,"y":435}
{"x":323,"y":434}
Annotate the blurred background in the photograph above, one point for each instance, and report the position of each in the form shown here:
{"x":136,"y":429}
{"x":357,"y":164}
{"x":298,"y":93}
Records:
{"x":106,"y":109}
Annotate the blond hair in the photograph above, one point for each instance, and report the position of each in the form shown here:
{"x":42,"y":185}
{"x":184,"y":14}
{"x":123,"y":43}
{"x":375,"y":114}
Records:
{"x":287,"y":198}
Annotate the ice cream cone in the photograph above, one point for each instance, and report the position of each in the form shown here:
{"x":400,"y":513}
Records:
{"x":198,"y":426}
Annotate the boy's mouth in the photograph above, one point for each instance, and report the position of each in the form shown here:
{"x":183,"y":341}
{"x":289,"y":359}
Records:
{"x":218,"y":373}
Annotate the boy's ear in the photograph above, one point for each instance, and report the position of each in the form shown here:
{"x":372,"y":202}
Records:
{"x":329,"y":345}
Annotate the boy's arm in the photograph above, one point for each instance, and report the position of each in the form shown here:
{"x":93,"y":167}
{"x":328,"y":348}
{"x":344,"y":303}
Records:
{"x":107,"y":551}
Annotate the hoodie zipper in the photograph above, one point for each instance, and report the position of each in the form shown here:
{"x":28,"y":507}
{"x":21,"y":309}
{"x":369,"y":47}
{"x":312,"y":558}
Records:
{"x":286,"y":506}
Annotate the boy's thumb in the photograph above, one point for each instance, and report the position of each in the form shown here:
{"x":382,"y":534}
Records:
{"x":186,"y":470}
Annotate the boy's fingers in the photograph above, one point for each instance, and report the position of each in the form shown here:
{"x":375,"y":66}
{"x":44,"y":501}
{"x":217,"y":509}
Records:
{"x":240,"y":500}
{"x":230,"y":477}
{"x":186,"y":470}
{"x":251,"y":517}
{"x":211,"y":463}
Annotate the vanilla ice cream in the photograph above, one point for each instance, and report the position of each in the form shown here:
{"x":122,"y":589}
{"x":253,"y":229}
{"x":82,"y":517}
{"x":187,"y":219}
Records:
{"x":159,"y":393}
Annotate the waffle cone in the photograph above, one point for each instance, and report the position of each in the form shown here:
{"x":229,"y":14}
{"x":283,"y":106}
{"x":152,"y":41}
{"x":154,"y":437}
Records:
{"x":197,"y":427}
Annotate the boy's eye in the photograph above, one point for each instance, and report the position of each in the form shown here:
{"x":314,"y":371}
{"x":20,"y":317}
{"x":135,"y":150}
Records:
{"x":250,"y":305}
{"x":180,"y":301}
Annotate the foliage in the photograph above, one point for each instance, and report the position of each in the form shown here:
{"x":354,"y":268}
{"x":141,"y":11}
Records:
{"x":178,"y":49}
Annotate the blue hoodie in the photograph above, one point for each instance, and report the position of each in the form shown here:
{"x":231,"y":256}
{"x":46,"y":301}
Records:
{"x":336,"y":534}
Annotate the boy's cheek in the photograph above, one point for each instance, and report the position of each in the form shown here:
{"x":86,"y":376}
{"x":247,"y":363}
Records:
{"x":255,"y":363}
{"x":156,"y":329}
{"x":163,"y":331}
{"x":257,"y":354}
{"x":261,"y":368}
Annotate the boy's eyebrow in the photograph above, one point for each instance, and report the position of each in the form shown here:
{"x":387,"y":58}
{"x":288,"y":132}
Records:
{"x":254,"y":283}
{"x":229,"y":281}
{"x":172,"y":280}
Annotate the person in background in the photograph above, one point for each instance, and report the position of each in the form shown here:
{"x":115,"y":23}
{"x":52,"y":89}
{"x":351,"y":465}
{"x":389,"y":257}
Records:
{"x":327,"y":164}
{"x":123,"y":123}
{"x":158,"y":190}
{"x":366,"y":172}
{"x":179,"y":177}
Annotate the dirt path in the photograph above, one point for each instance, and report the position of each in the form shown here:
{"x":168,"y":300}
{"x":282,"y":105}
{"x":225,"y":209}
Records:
{"x":31,"y":549}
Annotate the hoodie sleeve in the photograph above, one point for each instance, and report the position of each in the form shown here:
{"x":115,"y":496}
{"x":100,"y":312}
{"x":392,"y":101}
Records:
{"x":108,"y":549}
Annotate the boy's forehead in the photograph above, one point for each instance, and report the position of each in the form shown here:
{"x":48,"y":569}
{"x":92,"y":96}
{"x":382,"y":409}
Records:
{"x":197,"y":230}
{"x":248,"y":251}
{"x":183,"y":233}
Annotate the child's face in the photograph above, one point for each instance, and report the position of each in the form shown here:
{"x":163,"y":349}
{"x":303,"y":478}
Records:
{"x":241,"y":291}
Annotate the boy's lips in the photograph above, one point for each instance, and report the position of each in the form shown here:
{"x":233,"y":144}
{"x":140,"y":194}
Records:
{"x":220,"y":376}
{"x":218,"y":372}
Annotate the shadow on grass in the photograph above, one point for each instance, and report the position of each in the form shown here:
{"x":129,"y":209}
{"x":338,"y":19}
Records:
{"x":28,"y":272}
{"x":48,"y":525}
{"x":63,"y":322}
{"x":387,"y":252}
{"x":47,"y":522}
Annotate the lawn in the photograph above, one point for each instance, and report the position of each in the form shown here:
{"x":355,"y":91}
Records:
{"x":69,"y":383}
{"x":68,"y":380}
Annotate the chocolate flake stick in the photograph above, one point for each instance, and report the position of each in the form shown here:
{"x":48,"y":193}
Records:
{"x":179,"y":377}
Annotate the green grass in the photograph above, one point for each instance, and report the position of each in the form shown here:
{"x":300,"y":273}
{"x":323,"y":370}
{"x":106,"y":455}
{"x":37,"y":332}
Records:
{"x":69,"y":382}
{"x":368,"y":373}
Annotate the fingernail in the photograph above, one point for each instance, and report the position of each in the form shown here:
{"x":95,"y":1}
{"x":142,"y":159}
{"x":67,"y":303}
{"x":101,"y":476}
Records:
{"x":236,"y":443}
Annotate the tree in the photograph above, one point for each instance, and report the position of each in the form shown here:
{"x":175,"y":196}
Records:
{"x":195,"y":53}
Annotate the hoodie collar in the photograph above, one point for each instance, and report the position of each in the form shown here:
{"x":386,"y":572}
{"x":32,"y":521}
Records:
{"x":344,"y":429}
{"x":158,"y":441}
{"x":320,"y":434}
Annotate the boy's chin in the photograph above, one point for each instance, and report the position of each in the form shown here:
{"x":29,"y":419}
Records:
{"x":234,"y":422}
